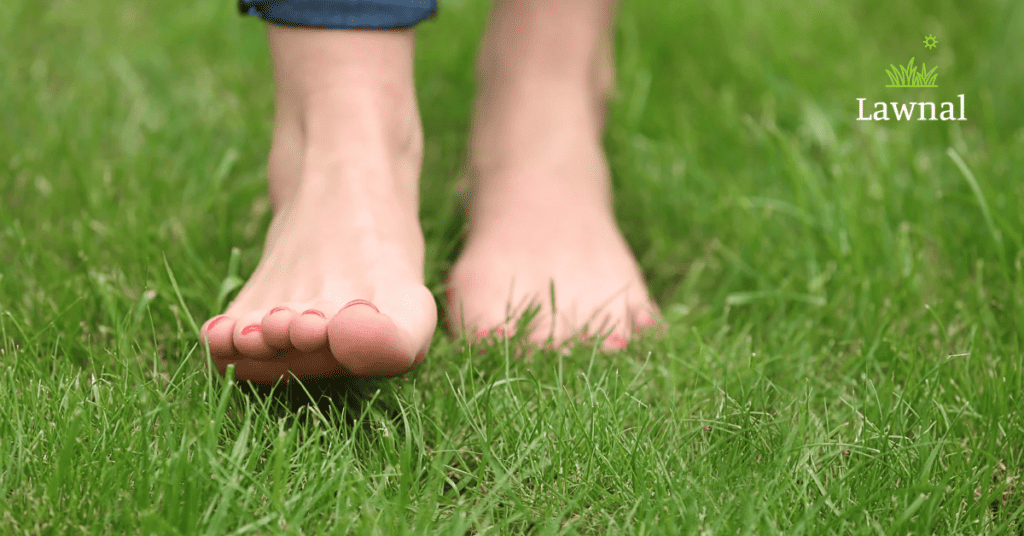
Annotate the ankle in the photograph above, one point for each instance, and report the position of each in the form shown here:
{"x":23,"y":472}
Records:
{"x":545,"y":75}
{"x":346,"y":107}
{"x":365,"y":127}
{"x":568,"y":42}
{"x":355,"y":138}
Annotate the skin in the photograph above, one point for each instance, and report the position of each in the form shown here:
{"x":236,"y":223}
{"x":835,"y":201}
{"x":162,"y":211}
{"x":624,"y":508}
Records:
{"x":340,"y":289}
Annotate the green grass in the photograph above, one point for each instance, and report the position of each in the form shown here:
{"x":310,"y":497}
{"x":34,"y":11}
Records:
{"x":909,"y":76}
{"x":845,"y":299}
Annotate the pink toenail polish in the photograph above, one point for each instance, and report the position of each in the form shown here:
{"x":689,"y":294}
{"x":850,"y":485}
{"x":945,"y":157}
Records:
{"x":314,"y":312}
{"x":616,"y":341}
{"x":214,"y":322}
{"x":481,"y":333}
{"x":360,"y":302}
{"x":277,"y":310}
{"x":500,"y":331}
{"x":645,"y":321}
{"x":249,"y":329}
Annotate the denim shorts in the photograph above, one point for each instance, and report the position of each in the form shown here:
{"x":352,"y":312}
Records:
{"x":341,"y":13}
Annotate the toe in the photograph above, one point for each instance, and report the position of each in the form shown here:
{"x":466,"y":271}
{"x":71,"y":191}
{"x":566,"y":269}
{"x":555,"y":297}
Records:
{"x":647,"y":320}
{"x":276,"y":326}
{"x":218,"y":333}
{"x":499,"y":333}
{"x":541,"y":335}
{"x":308,"y":331}
{"x":504,"y":332}
{"x":248,"y":338}
{"x":614,"y":342}
{"x":563,"y":329}
{"x":368,"y":343}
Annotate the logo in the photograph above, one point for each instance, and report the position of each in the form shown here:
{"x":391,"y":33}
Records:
{"x":909,"y":76}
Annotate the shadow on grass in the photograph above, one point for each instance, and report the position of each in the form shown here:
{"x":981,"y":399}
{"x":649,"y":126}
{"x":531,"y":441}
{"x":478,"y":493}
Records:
{"x":342,"y":401}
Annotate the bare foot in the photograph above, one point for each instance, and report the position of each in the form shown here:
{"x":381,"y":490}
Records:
{"x":516,"y":253}
{"x":541,"y":214}
{"x":339,"y":290}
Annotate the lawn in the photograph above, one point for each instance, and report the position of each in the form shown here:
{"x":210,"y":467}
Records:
{"x":844,"y":299}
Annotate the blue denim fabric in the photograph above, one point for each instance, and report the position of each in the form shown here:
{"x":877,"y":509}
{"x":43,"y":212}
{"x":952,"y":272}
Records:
{"x":341,"y":13}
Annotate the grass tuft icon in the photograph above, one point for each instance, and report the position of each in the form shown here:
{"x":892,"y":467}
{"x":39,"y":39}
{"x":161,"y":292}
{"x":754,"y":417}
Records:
{"x":909,"y":76}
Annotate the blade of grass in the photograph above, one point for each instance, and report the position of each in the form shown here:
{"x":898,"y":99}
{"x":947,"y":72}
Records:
{"x":898,"y":75}
{"x":232,"y":282}
{"x":982,"y":203}
{"x":181,"y":301}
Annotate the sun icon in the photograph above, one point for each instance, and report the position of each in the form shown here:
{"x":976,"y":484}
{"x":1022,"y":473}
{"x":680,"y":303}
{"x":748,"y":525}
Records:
{"x":930,"y":41}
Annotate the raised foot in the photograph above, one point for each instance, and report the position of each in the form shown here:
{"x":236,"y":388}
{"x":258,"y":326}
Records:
{"x":339,"y":288}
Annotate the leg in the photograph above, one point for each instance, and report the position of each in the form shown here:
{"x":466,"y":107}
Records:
{"x":541,"y":211}
{"x":339,"y":289}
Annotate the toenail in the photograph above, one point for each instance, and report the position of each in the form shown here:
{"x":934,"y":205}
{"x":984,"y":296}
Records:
{"x":360,"y":302}
{"x":616,"y":341}
{"x":277,"y":310}
{"x":314,"y":312}
{"x":213,"y":322}
{"x":500,"y":331}
{"x":481,"y":333}
{"x":249,"y":329}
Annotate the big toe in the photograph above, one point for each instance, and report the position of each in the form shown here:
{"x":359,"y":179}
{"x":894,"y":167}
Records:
{"x":367,"y":342}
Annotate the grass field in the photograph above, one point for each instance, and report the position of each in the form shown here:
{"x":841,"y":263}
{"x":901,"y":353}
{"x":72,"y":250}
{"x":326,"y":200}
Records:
{"x":845,"y":299}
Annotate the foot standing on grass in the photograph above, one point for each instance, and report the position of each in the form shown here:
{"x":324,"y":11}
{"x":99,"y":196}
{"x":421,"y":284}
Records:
{"x":340,"y":287}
